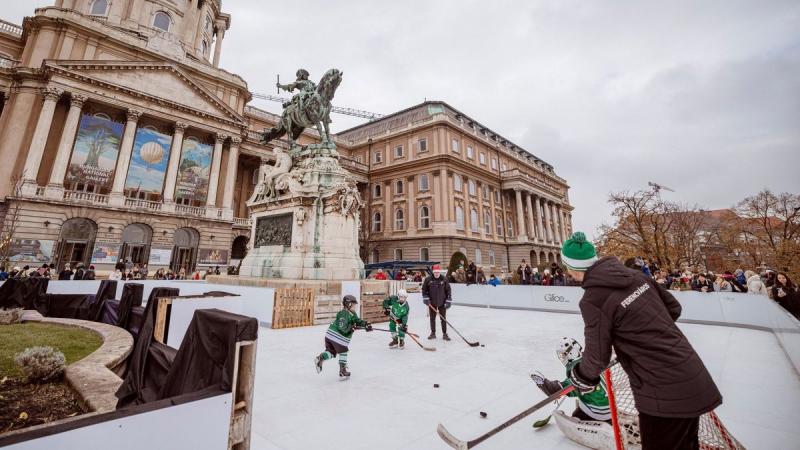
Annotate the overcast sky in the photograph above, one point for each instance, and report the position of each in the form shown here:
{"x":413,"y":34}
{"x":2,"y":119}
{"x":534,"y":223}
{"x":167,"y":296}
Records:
{"x":700,"y":96}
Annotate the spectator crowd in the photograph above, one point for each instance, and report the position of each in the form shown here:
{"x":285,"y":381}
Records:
{"x":123,"y":270}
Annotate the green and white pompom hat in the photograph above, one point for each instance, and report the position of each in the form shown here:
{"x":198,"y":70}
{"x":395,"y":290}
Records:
{"x":577,"y":253}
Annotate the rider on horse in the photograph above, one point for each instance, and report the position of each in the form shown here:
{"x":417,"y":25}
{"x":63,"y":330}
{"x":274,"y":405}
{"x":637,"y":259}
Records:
{"x":305,"y":86}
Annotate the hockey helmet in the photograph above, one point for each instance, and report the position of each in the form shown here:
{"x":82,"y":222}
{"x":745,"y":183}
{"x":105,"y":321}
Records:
{"x":349,"y":300}
{"x":402,"y":293}
{"x":568,"y":350}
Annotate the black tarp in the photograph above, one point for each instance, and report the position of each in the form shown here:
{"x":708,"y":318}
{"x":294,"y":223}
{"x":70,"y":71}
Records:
{"x":80,"y":306}
{"x":23,"y":292}
{"x":118,"y":312}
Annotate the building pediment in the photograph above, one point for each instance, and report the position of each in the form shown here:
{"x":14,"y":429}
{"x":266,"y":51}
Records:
{"x":164,"y":83}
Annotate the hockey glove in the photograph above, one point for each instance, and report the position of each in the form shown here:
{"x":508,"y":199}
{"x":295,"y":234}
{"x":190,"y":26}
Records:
{"x":368,"y":327}
{"x":426,"y":300}
{"x":447,"y":304}
{"x":583,"y":385}
{"x":386,"y":312}
{"x":549,"y":387}
{"x":404,"y":328}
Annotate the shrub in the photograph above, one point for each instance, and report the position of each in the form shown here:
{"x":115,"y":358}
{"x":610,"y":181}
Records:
{"x":9,"y":316}
{"x":41,"y":363}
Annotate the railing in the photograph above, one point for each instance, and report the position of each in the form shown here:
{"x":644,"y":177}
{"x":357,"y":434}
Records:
{"x":7,"y":63}
{"x":254,"y":136}
{"x":143,"y":204}
{"x":39,"y":191}
{"x":90,"y":197}
{"x":191,"y":210}
{"x":242,"y":222}
{"x":10,"y":28}
{"x":352,"y":164}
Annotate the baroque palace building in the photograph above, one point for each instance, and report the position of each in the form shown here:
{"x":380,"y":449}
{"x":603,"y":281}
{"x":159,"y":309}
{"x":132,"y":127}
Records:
{"x":122,"y":139}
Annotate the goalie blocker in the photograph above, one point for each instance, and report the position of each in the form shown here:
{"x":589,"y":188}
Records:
{"x":624,"y":309}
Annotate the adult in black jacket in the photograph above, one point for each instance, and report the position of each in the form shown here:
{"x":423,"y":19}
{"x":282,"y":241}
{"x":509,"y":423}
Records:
{"x":626,"y":309}
{"x":436,"y":294}
{"x":524,"y":272}
{"x":702,"y":284}
{"x":65,"y":274}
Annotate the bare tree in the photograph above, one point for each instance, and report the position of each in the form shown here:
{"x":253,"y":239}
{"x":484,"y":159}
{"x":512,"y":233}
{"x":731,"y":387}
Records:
{"x":10,"y":222}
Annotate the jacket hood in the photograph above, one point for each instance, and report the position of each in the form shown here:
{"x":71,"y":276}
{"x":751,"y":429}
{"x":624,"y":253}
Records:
{"x":608,"y":272}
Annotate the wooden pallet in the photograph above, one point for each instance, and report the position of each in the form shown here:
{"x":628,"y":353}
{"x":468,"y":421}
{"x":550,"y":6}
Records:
{"x":244,"y":375}
{"x":163,"y":309}
{"x":294,"y":307}
{"x":372,"y":307}
{"x":326,"y":307}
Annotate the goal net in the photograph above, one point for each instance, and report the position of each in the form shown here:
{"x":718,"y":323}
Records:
{"x":712,"y":433}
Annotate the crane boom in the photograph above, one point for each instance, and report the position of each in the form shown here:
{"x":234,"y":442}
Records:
{"x":336,"y":109}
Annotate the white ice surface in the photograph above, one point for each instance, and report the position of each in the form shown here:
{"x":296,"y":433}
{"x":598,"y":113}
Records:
{"x":390,"y":402}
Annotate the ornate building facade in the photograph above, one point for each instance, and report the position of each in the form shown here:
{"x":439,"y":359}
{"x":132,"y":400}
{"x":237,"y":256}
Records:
{"x":122,"y":139}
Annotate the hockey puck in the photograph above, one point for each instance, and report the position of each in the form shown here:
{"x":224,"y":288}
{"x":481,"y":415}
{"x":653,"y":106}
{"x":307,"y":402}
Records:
{"x":436,"y":385}
{"x":483,"y":414}
{"x":483,"y":345}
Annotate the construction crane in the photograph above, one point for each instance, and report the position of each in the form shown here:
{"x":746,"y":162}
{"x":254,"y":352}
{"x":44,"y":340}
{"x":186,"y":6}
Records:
{"x":346,"y":111}
{"x":658,"y":187}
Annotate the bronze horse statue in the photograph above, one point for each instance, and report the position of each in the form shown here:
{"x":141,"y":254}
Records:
{"x":311,"y":109}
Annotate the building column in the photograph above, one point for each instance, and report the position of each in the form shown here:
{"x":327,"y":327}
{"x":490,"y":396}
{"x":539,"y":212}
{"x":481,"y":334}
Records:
{"x":541,"y":235}
{"x":55,"y":187}
{"x":388,"y":217}
{"x":562,"y":229}
{"x":442,"y":199}
{"x":230,"y":178}
{"x":216,"y":160}
{"x":547,"y":221}
{"x":218,"y":43}
{"x":533,"y":232}
{"x":172,"y":167}
{"x":520,"y":218}
{"x":36,"y":149}
{"x":117,"y":197}
{"x":556,"y":224}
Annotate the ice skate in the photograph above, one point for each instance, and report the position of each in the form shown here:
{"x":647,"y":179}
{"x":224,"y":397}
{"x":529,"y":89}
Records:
{"x":393,"y":343}
{"x":318,"y":363}
{"x":343,"y":373}
{"x":402,"y":344}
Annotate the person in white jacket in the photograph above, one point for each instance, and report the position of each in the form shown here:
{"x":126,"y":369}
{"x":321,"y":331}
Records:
{"x":754,"y":284}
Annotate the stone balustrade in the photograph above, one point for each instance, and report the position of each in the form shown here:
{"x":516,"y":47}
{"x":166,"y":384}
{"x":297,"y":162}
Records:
{"x":10,"y":28}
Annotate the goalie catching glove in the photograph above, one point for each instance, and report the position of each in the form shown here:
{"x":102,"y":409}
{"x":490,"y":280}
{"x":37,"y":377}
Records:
{"x":582,"y":384}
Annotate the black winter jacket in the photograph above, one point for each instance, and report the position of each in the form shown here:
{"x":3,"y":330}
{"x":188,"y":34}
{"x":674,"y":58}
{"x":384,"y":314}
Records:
{"x":625,"y":309}
{"x":436,"y":291}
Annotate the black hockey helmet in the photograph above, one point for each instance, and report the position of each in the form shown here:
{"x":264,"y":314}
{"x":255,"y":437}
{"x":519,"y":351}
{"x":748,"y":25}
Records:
{"x":349,"y":300}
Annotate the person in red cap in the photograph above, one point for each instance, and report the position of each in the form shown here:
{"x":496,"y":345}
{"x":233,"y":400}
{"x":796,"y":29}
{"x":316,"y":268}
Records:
{"x":436,"y":293}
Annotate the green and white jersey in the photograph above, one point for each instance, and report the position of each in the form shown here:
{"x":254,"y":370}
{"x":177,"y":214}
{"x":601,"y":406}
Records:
{"x":397,"y":309}
{"x":341,"y":329}
{"x":595,"y":403}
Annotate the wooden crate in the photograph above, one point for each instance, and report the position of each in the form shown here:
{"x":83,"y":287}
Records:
{"x":326,"y":307}
{"x":244,"y":375}
{"x":294,"y":307}
{"x":372,"y":308}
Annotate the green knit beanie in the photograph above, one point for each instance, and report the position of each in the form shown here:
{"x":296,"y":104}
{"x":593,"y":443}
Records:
{"x":577,"y":253}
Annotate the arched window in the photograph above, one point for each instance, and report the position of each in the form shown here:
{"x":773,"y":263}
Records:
{"x":459,"y":218}
{"x":99,"y":8}
{"x":471,"y":185}
{"x":76,"y":242}
{"x":473,"y":220}
{"x":457,"y":182}
{"x":398,"y":187}
{"x":376,"y":222}
{"x":184,"y":253}
{"x":376,"y":190}
{"x":136,"y":239}
{"x":399,"y":220}
{"x":162,"y":21}
{"x":487,"y":222}
{"x":239,"y":248}
{"x":499,"y":225}
{"x":424,"y":217}
{"x":510,"y":228}
{"x":423,"y":183}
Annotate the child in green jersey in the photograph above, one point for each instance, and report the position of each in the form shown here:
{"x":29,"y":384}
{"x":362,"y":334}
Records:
{"x":337,"y":338}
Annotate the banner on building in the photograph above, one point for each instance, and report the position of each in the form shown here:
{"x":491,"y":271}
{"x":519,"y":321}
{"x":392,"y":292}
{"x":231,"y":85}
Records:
{"x":94,"y":154}
{"x":194,"y":170}
{"x":160,"y":256}
{"x":149,"y":161}
{"x":212,"y":257}
{"x":105,"y":252}
{"x":31,"y":251}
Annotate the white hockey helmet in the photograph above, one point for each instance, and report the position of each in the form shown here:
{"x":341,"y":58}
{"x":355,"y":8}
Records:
{"x":402,"y":294}
{"x":568,"y":350}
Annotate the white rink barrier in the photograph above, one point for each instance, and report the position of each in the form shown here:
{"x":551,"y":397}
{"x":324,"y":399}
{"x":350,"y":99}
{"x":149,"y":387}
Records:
{"x":714,"y":308}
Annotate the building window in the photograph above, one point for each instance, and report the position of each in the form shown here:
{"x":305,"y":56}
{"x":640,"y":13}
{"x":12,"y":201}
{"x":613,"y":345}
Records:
{"x":510,"y":228}
{"x":376,"y":190}
{"x":423,"y":254}
{"x":399,"y":220}
{"x":457,"y":182}
{"x":398,"y":151}
{"x":357,"y":158}
{"x":482,"y":159}
{"x":485,"y":193}
{"x":487,"y":222}
{"x":497,"y":196}
{"x":491,"y":258}
{"x":398,"y":254}
{"x":423,"y":183}
{"x":470,"y":152}
{"x":499,"y":224}
{"x":422,"y":146}
{"x":424,"y":217}
{"x":208,"y":24}
{"x":471,"y":185}
{"x":377,"y":157}
{"x":454,"y":146}
{"x":478,"y":257}
{"x":459,"y":218}
{"x":398,"y":187}
{"x":473,"y":220}
{"x":505,"y":167}
{"x":494,"y":163}
{"x":162,"y":21}
{"x":99,"y":7}
{"x":203,"y":47}
{"x":376,"y":222}
{"x":376,"y":255}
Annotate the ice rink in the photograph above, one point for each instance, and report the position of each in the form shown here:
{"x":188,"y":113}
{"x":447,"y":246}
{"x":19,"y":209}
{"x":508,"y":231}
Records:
{"x":389,"y":402}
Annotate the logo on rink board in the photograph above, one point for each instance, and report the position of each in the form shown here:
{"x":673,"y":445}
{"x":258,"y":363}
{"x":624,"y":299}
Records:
{"x":555,"y":298}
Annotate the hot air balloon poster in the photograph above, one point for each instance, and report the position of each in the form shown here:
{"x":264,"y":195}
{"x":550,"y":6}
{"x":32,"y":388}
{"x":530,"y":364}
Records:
{"x":149,"y":162}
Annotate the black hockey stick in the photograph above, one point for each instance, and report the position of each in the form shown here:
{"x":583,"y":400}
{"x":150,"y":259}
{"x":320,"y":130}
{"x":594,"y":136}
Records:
{"x":546,"y":420}
{"x":390,"y":331}
{"x":430,"y":349}
{"x":471,"y":344}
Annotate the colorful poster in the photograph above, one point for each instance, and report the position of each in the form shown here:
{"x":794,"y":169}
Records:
{"x":160,"y":256}
{"x":149,"y":161}
{"x":94,"y":155}
{"x":212,"y":257}
{"x":194,"y":170}
{"x":105,"y":252}
{"x":31,"y":251}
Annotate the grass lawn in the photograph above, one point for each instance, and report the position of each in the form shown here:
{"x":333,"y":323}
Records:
{"x":75,"y":343}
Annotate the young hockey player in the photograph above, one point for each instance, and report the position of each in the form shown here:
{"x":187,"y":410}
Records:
{"x":396,"y":307}
{"x":337,"y":338}
{"x":592,"y":405}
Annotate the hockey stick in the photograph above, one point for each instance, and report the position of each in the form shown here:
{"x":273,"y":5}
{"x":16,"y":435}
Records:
{"x":546,"y":420}
{"x":390,"y":331}
{"x":430,"y":349}
{"x":458,"y":444}
{"x":471,"y":344}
